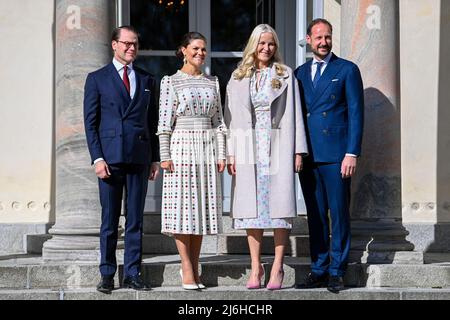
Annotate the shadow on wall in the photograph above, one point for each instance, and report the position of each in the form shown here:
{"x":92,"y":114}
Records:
{"x":377,"y":230}
{"x":441,"y":239}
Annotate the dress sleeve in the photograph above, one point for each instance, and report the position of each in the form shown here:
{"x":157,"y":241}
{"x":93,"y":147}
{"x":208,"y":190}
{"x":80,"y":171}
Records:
{"x":219,"y":125}
{"x":168,"y":103}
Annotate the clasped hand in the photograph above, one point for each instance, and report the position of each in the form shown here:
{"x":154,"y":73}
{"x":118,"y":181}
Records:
{"x":169,"y":166}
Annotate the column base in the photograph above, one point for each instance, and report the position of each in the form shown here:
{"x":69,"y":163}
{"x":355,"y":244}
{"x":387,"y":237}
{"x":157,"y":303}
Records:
{"x":75,"y":248}
{"x":382,"y":241}
{"x":429,"y":237}
{"x":387,"y":257}
{"x":13,"y":236}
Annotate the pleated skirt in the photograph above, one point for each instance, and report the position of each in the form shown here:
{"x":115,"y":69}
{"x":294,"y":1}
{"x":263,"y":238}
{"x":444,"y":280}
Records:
{"x":191,"y":195}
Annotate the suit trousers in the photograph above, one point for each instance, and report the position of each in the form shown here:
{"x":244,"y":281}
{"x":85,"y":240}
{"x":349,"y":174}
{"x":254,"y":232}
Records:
{"x":135,"y":180}
{"x":327,"y":195}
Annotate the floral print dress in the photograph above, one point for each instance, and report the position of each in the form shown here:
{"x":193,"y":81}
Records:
{"x":263,"y":129}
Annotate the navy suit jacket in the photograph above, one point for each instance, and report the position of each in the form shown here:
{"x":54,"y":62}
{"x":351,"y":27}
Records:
{"x":334,"y":110}
{"x":120,"y":129}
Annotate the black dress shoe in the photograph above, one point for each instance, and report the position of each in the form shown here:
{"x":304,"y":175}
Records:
{"x":335,"y":284}
{"x":312,"y":280}
{"x":106,"y":285}
{"x":135,"y":283}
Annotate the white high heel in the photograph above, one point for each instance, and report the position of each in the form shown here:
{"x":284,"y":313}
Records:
{"x":188,"y":286}
{"x":201,"y":286}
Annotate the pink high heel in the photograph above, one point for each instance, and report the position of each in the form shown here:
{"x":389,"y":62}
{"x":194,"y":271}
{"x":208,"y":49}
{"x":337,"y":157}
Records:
{"x":276,"y":286}
{"x":256,"y":285}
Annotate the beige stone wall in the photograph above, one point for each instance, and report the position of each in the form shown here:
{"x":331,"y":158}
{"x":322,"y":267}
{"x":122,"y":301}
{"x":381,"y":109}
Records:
{"x":26,"y":107}
{"x":423,"y":179}
{"x":332,"y":12}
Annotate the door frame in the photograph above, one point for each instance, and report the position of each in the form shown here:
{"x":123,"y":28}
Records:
{"x":287,"y":14}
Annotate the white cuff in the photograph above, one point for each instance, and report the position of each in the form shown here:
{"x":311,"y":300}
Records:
{"x":98,"y":160}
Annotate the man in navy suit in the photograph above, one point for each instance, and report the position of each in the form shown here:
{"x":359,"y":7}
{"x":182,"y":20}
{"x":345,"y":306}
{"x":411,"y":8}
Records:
{"x":120,"y":120}
{"x":332,"y":96}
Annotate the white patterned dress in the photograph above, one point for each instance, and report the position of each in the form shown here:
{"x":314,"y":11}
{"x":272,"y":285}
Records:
{"x":263,"y":129}
{"x":191,"y":133}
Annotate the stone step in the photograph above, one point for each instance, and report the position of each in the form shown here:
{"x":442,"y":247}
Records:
{"x":387,"y":257}
{"x":299,"y":245}
{"x":227,"y":294}
{"x":379,"y":233}
{"x":35,"y":242}
{"x":30,"y":272}
{"x":381,"y":245}
{"x":163,"y":244}
{"x":152,"y":224}
{"x":237,"y":244}
{"x":408,"y":276}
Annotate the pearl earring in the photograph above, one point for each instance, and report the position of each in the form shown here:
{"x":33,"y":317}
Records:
{"x":184,"y":60}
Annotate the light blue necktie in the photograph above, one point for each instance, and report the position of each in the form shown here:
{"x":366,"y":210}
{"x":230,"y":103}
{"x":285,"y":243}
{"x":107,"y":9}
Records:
{"x":318,"y":74}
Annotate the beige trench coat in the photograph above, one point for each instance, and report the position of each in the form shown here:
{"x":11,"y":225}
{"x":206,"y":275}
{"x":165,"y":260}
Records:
{"x":287,"y":138}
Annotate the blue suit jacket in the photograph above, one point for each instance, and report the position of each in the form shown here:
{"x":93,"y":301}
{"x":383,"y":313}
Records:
{"x":334,"y":110}
{"x":118,"y":129}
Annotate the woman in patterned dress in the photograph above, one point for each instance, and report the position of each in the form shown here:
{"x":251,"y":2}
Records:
{"x":266,"y":142}
{"x":192,"y":147}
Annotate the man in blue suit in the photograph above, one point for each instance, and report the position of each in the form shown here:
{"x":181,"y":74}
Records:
{"x":332,"y":96}
{"x":120,"y":121}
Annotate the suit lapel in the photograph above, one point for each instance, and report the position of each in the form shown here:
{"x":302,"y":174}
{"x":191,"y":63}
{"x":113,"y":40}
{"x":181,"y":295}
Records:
{"x":332,"y":69}
{"x":118,"y":84}
{"x":308,"y":78}
{"x":305,"y":78}
{"x":137,"y":92}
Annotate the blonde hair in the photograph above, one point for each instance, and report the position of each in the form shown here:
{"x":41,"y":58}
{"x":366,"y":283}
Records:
{"x":247,"y":65}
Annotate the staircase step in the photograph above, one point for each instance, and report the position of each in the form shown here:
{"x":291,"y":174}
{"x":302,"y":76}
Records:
{"x":35,"y":242}
{"x":152,"y":224}
{"x":224,"y":270}
{"x":409,"y":276}
{"x":228,"y":294}
{"x":387,"y":257}
{"x":237,"y":244}
{"x":163,"y":244}
{"x":382,"y":245}
{"x":30,"y":272}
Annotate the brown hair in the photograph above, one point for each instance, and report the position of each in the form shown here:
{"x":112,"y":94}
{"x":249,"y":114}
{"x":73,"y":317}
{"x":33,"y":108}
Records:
{"x":186,"y":40}
{"x":317,"y":21}
{"x":116,"y":32}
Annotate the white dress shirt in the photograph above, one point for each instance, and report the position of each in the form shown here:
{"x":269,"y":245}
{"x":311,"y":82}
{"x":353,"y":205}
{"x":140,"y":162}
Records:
{"x":131,"y":75}
{"x":324,"y":66}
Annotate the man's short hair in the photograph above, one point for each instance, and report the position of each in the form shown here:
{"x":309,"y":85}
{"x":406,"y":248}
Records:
{"x":116,"y":32}
{"x":317,"y":21}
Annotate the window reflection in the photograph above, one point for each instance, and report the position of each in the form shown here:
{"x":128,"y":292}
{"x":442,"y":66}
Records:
{"x":161,"y":24}
{"x":159,"y":67}
{"x":232,"y":21}
{"x":222,"y":68}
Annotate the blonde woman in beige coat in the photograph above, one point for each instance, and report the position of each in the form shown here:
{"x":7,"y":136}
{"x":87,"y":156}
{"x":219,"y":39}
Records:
{"x":265,"y":148}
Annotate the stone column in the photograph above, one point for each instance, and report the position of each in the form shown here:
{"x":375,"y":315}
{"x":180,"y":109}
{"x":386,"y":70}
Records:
{"x":425,"y":26}
{"x":370,"y":38}
{"x":82,"y":40}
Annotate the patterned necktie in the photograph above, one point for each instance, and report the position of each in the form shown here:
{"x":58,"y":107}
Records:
{"x":126,"y":81}
{"x":318,"y":74}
